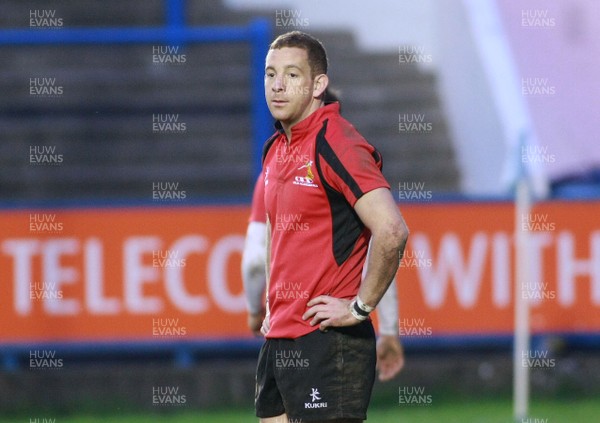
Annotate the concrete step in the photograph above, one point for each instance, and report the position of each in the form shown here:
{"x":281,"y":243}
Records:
{"x":145,"y":126}
{"x":77,"y":13}
{"x":129,"y":179}
{"x":122,"y":57}
{"x":102,"y":122}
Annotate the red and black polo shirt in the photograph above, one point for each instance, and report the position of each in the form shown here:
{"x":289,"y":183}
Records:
{"x":318,"y":243}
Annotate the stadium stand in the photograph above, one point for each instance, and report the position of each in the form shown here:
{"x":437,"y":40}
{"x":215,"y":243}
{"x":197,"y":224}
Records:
{"x":103,"y":121}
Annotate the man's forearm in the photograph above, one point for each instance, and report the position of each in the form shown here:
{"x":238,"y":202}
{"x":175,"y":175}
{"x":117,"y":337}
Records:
{"x":389,"y":233}
{"x":387,"y":309}
{"x":384,"y":258}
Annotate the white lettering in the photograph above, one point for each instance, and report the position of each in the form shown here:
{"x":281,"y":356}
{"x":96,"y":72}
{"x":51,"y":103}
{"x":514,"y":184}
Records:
{"x":96,"y":302}
{"x":137,"y":275}
{"x":569,"y":268}
{"x":217,"y":277}
{"x":450,"y":265}
{"x":174,"y":279}
{"x":22,"y":251}
{"x":58,"y":275}
{"x":501,"y":279}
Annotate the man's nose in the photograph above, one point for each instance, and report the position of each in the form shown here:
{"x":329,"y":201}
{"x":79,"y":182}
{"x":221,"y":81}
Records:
{"x":279,"y":84}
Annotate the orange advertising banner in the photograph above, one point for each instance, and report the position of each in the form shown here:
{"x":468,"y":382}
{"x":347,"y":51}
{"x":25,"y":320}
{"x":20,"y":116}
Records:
{"x":155,"y":273}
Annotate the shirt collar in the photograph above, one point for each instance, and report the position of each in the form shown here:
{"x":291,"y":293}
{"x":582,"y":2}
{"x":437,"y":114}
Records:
{"x":308,"y":122}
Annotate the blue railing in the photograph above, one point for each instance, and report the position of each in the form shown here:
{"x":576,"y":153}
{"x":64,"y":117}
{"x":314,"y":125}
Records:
{"x":174,"y":32}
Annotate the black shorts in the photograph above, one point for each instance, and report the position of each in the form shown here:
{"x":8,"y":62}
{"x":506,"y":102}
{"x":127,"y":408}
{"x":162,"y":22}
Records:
{"x":319,"y":376}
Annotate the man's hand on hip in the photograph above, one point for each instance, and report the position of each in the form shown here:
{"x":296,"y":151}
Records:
{"x":329,"y":311}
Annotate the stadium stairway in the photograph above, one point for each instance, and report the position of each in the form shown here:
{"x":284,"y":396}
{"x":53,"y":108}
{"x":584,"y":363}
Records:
{"x":101,"y":123}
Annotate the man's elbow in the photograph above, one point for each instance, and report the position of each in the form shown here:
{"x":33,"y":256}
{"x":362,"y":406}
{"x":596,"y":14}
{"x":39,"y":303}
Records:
{"x":397,"y":235}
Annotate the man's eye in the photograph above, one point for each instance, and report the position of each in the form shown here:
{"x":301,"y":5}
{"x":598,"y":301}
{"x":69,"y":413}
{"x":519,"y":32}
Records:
{"x":270,"y":74}
{"x":293,"y":75}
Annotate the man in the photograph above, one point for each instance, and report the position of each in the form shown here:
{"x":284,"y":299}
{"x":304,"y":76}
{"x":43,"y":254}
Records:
{"x":390,"y":355}
{"x":325,"y":199}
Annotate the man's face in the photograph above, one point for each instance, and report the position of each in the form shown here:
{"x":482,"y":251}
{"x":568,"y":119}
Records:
{"x":289,"y":87}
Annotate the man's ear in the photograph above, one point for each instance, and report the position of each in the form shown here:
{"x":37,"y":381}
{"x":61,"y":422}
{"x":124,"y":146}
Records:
{"x":321,"y":83}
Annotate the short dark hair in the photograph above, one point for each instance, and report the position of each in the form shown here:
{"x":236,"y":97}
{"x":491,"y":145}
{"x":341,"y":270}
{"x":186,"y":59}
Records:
{"x":317,"y":56}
